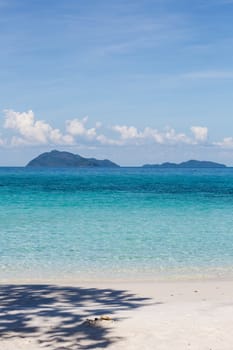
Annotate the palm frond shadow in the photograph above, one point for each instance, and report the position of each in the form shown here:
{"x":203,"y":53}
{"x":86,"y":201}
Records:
{"x":55,"y":315}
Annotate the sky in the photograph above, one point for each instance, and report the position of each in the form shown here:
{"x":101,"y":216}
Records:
{"x":135,"y":81}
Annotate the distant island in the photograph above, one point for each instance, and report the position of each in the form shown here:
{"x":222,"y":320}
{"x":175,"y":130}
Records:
{"x":57,"y":159}
{"x":61,"y":159}
{"x":191,"y":164}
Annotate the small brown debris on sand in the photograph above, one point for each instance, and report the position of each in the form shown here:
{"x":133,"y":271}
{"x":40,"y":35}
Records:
{"x":97,"y":320}
{"x":106,"y":318}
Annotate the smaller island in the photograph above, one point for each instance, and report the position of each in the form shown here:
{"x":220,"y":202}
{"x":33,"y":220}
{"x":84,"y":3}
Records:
{"x":190,"y":164}
{"x":58,"y":159}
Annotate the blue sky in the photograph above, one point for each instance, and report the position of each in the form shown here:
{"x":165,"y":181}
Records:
{"x":135,"y":81}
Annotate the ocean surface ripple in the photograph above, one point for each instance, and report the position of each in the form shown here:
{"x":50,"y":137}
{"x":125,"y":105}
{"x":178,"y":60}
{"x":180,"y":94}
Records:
{"x":116,"y":223}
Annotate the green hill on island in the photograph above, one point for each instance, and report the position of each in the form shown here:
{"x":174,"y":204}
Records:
{"x":57,"y":159}
{"x":191,"y":164}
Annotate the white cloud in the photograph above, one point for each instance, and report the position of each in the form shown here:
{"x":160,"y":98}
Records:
{"x":104,"y":140}
{"x":154,"y":134}
{"x":126,"y":132}
{"x":57,"y":137}
{"x":227,"y":142}
{"x":19,"y":141}
{"x":172,"y":137}
{"x":25,"y":130}
{"x":76,"y":127}
{"x":32,"y":131}
{"x":200,"y":133}
{"x":168,"y":136}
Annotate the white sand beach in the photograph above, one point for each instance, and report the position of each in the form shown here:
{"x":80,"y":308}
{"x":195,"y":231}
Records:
{"x":195,"y":315}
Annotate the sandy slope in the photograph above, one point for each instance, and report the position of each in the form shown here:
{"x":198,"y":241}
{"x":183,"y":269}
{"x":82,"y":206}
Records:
{"x":148,"y":315}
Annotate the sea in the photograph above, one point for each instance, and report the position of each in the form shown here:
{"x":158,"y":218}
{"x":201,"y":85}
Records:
{"x":118,"y":224}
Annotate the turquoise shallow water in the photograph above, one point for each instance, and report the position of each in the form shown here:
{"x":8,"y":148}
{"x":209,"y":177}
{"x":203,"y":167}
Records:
{"x":119,"y":223}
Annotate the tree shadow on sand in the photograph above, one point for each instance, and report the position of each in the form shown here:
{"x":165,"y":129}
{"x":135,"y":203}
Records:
{"x":55,"y":315}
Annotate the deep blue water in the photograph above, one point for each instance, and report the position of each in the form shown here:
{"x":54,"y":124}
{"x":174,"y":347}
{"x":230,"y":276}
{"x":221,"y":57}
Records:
{"x":116,"y":223}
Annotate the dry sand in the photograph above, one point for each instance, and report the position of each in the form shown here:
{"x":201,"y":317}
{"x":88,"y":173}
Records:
{"x":145,"y":315}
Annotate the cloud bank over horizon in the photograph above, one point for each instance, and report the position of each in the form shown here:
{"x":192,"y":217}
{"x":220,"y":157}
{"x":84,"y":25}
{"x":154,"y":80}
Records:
{"x":155,"y":77}
{"x":24,"y":129}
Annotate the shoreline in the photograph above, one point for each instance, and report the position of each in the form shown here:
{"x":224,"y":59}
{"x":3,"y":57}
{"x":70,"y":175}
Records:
{"x":151,"y":289}
{"x":75,"y":280}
